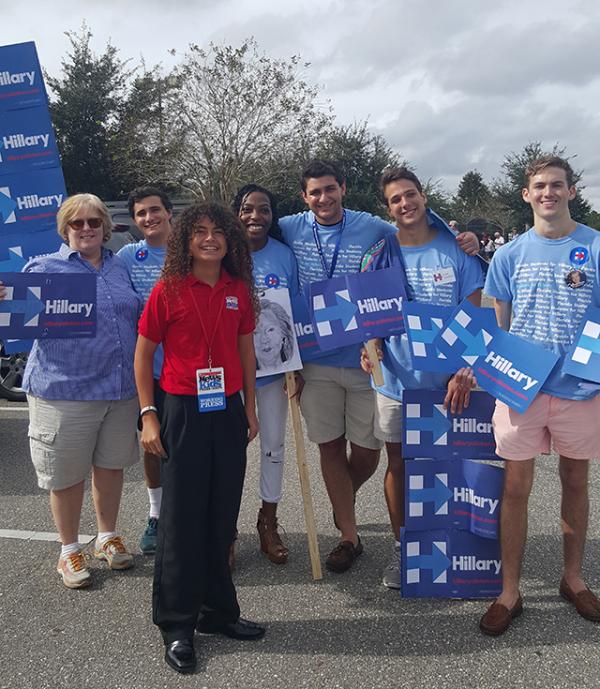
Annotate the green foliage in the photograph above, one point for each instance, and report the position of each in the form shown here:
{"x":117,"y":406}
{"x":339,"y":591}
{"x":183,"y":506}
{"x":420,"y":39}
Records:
{"x":84,"y":109}
{"x":509,"y":189}
{"x":243,"y":116}
{"x":362,"y":157}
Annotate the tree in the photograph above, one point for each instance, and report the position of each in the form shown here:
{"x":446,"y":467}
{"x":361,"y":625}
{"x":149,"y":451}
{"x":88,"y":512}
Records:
{"x":147,"y":141}
{"x":508,"y":190}
{"x":243,"y":116}
{"x":362,"y":157}
{"x":473,"y":197}
{"x":438,"y":199}
{"x":84,"y":109}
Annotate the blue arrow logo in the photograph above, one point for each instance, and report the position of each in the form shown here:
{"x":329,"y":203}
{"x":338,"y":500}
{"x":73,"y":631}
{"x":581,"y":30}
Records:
{"x":425,"y":336}
{"x":343,"y":311}
{"x":437,"y":424}
{"x":7,"y":206}
{"x":438,"y":495}
{"x":14,"y":264}
{"x":591,"y":343}
{"x":475,"y":344}
{"x":437,"y":562}
{"x":29,"y":307}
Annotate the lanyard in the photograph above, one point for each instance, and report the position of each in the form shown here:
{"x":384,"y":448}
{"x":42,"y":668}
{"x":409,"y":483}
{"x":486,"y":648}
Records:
{"x":211,"y":339}
{"x":328,"y":271}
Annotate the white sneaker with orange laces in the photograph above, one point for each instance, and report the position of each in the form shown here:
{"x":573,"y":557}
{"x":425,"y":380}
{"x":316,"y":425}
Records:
{"x":114,"y":552}
{"x":74,"y":572}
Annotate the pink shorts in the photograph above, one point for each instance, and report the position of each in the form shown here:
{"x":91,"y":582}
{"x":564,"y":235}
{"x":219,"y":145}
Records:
{"x":571,"y":427}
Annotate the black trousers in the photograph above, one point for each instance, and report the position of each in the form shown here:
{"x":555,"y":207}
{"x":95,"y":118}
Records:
{"x":202,"y":480}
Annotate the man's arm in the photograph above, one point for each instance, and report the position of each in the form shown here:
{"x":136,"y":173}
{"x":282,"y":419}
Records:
{"x":503,"y":311}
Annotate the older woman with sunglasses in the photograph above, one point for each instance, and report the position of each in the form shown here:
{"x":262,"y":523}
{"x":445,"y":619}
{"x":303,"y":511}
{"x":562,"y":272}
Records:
{"x":82,"y":400}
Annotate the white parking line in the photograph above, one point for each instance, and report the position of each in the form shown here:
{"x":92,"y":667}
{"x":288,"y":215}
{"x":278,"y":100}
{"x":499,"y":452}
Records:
{"x":40,"y":536}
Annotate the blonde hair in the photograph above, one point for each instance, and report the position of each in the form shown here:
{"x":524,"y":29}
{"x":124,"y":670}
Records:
{"x":73,"y":205}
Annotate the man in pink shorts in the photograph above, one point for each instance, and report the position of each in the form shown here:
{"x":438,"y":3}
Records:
{"x":545,"y":279}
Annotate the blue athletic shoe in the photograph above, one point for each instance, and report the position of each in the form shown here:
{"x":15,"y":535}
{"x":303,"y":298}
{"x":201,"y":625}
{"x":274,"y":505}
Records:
{"x":148,"y":539}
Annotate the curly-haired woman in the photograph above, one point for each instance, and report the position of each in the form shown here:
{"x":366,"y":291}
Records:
{"x":203,"y":311}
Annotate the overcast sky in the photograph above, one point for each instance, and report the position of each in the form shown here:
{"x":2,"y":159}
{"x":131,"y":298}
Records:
{"x":452,"y":85}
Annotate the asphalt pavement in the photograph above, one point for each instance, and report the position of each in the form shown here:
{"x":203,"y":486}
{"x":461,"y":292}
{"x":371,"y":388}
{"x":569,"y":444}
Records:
{"x":346,"y":630}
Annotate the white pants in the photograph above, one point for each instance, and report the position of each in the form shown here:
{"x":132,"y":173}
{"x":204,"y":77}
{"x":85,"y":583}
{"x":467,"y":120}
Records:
{"x":272,"y":405}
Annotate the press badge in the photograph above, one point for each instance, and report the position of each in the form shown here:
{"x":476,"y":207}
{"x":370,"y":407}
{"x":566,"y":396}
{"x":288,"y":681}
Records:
{"x":211,"y":389}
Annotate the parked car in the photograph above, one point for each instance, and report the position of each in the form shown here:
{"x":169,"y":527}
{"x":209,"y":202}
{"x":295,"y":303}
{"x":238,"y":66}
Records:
{"x":12,"y":367}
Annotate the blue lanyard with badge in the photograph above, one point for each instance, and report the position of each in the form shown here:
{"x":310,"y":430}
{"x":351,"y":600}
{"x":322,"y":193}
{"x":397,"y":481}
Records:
{"x":328,"y":270}
{"x":210,"y":382}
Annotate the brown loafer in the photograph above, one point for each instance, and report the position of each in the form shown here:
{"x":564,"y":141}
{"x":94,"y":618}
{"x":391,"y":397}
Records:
{"x":342,"y":557}
{"x":585,"y":602}
{"x":498,"y":617}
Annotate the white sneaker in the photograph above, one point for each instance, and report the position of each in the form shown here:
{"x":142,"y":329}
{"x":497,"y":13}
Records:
{"x":392,"y":574}
{"x":114,"y":552}
{"x":74,"y":572}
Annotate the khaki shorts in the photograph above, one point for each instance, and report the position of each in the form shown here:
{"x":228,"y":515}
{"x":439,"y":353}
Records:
{"x":388,"y":419}
{"x":68,"y":437}
{"x":338,"y":402}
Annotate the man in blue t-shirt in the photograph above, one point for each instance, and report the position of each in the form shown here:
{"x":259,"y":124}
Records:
{"x":542,"y":282}
{"x":151,"y":210}
{"x":437,"y":272}
{"x":337,"y":401}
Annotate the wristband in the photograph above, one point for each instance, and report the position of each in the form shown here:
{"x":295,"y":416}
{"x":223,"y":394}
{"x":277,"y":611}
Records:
{"x":143,"y":411}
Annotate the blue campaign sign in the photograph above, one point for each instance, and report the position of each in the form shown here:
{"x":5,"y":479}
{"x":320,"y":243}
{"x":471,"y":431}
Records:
{"x":450,"y":564}
{"x":508,"y":367}
{"x":455,"y":494}
{"x":423,"y":322}
{"x":429,"y":430}
{"x":16,"y":346}
{"x":16,"y":249}
{"x":358,"y":307}
{"x":21,"y":80}
{"x":29,"y":202}
{"x":583,"y":358}
{"x":27,"y":141}
{"x":305,"y":334}
{"x":48,"y":305}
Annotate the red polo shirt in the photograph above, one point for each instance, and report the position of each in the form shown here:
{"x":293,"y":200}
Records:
{"x":177,"y":321}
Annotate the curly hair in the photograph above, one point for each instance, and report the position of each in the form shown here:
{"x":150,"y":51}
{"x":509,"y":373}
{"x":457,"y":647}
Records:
{"x":240,"y":198}
{"x":237,"y":261}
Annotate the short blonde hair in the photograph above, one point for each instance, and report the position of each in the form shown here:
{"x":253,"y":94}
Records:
{"x":73,"y":205}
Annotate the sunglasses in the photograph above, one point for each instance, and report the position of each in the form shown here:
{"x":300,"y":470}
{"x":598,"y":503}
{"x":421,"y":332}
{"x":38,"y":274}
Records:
{"x":94,"y":223}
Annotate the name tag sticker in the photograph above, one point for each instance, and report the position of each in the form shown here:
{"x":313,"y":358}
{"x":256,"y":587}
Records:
{"x":210,"y":384}
{"x":444,"y":276}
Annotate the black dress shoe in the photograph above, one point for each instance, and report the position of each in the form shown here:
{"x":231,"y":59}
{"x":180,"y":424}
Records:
{"x":243,"y":630}
{"x":181,"y":656}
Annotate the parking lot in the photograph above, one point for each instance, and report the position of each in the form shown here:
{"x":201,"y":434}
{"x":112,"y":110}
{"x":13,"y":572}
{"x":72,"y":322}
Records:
{"x":344,"y":631}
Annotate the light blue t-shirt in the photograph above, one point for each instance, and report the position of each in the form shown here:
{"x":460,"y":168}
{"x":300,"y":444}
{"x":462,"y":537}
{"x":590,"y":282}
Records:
{"x":144,"y":264}
{"x":550,"y":283}
{"x":439,"y":273}
{"x":274,"y":267}
{"x":361,"y":231}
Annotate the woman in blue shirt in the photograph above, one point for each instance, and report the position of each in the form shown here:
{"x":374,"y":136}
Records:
{"x":81,"y":392}
{"x":274,"y":266}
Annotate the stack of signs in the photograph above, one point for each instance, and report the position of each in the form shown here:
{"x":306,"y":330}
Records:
{"x":452,"y":502}
{"x":508,"y":367}
{"x":583,"y":358}
{"x":31,"y":181}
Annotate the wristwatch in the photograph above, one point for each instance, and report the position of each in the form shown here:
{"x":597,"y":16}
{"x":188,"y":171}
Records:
{"x":145,"y":410}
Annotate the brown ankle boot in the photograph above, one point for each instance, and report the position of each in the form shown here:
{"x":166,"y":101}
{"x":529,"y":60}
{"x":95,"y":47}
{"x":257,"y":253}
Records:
{"x":270,"y":541}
